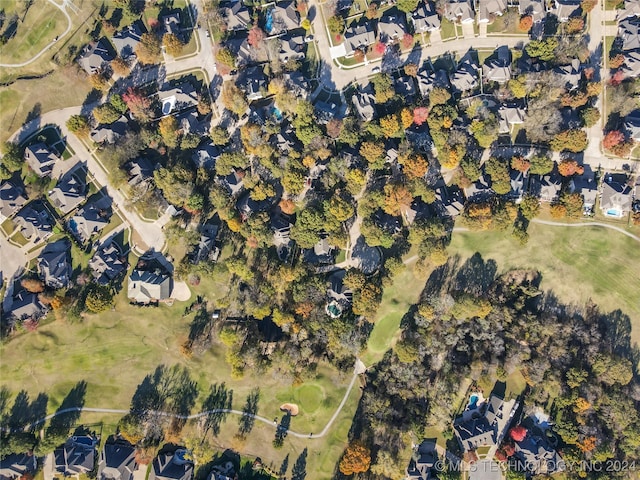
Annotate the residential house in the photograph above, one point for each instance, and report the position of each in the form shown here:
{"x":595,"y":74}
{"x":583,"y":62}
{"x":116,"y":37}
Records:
{"x":479,"y":190}
{"x":234,"y":182}
{"x":534,"y":8}
{"x":285,"y":16}
{"x":489,"y":9}
{"x":321,"y":253}
{"x":392,"y":25}
{"x":36,"y":225}
{"x":26,"y":305}
{"x":177,"y":98}
{"x":325,"y":111}
{"x":12,"y":199}
{"x":405,"y":86}
{"x":205,"y":156}
{"x":149,"y":282}
{"x":253,"y":82}
{"x":54,"y":264}
{"x":358,"y":37}
{"x":519,"y":182}
{"x":241,"y":50}
{"x":616,"y":197}
{"x":117,"y":460}
{"x":537,"y":456}
{"x":18,"y":465}
{"x":292,"y":47}
{"x":112,"y":132}
{"x":140,"y":171}
{"x":631,"y":9}
{"x":171,"y":466}
{"x":285,"y":141}
{"x":428,"y":80}
{"x":487,"y":428}
{"x":629,"y":32}
{"x":425,"y":18}
{"x":422,"y":462}
{"x":70,"y":191}
{"x":449,"y":200}
{"x":190,"y":122}
{"x":547,"y":187}
{"x":586,"y":186}
{"x":337,"y":293}
{"x":297,"y":83}
{"x":565,"y":9}
{"x":96,"y":55}
{"x":206,"y":250}
{"x":40,"y":158}
{"x":108,"y":263}
{"x":127,"y":40}
{"x":364,"y":103}
{"x":465,"y":78}
{"x":459,"y":11}
{"x":631,"y":66}
{"x":508,"y":116}
{"x":632,"y":125}
{"x":171,"y":22}
{"x":90,"y":220}
{"x":570,"y":74}
{"x":498,"y":68}
{"x":237,"y":16}
{"x":419,"y":137}
{"x":76,"y":456}
{"x":281,"y":225}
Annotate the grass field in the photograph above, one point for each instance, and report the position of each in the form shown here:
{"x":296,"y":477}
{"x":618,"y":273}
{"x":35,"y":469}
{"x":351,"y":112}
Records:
{"x":576,"y":264}
{"x":41,"y":25}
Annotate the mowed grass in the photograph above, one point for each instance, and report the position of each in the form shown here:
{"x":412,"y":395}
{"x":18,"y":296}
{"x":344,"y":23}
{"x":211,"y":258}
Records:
{"x":41,"y":25}
{"x":63,"y":88}
{"x":577,"y":264}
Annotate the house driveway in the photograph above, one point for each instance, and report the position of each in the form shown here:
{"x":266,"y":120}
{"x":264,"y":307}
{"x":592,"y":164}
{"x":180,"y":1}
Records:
{"x":485,"y":470}
{"x":181,"y":291}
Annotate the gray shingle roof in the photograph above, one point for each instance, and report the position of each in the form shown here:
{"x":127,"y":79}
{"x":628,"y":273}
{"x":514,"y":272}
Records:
{"x":54,"y":264}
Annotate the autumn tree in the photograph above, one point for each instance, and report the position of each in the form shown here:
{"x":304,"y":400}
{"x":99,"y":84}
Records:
{"x":574,"y":25}
{"x":411,"y":69}
{"x":541,"y":164}
{"x":168,"y":128}
{"x":335,"y":25}
{"x":572,"y":203}
{"x":140,"y":105}
{"x":106,"y":113}
{"x":573,"y":140}
{"x":397,"y":199}
{"x":339,"y":208}
{"x":149,"y":49}
{"x":390,"y":125}
{"x":262,"y":191}
{"x":529,"y":206}
{"x":172,"y":44}
{"x":517,"y":87}
{"x":255,"y":37}
{"x":569,"y":167}
{"x":356,"y":459}
{"x":407,"y":6}
{"x":99,"y":298}
{"x":588,"y":5}
{"x":177,"y":184}
{"x":383,"y":87}
{"x":414,"y":166}
{"x":374,"y":154}
{"x":225,"y":57}
{"x":233,"y":98}
{"x":407,"y":41}
{"x":32,"y":285}
{"x":439,"y":96}
{"x":616,"y":61}
{"x":526,"y":22}
{"x":372,"y":11}
{"x":520,"y":164}
{"x":78,"y":124}
{"x":120,"y":66}
{"x":99,"y":81}
{"x":590,"y":116}
{"x":498,"y":170}
{"x":420,"y":115}
{"x":543,"y":50}
{"x":616,"y":142}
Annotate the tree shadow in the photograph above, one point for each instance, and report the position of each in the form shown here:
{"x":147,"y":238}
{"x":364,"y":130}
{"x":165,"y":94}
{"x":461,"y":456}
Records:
{"x":440,"y":278}
{"x":69,"y":411}
{"x":476,"y":276}
{"x":35,"y":112}
{"x":299,"y":471}
{"x":220,"y":398}
{"x":616,"y":329}
{"x":90,"y":101}
{"x":284,"y":466}
{"x":282,"y":430}
{"x":116,"y":17}
{"x":249,"y":409}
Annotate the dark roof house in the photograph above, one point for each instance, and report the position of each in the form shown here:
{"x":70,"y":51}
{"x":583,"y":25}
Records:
{"x":26,"y":305}
{"x":465,"y":78}
{"x":117,"y":461}
{"x":76,"y":456}
{"x":179,"y":97}
{"x":497,"y":68}
{"x":285,"y":16}
{"x":253,"y":82}
{"x":40,"y":158}
{"x":70,"y":191}
{"x":425,"y":18}
{"x":459,"y":11}
{"x":112,"y":132}
{"x":546,"y":187}
{"x":428,"y":80}
{"x":534,"y":8}
{"x":616,"y":196}
{"x":358,"y":37}
{"x":364,"y":102}
{"x":629,"y":32}
{"x":54,"y":264}
{"x":392,"y":25}
{"x":291,"y":47}
{"x":36,"y":225}
{"x":90,"y":219}
{"x":108,"y":263}
{"x":171,"y":466}
{"x":171,"y":23}
{"x":95,"y":55}
{"x":16,"y":465}
{"x":422,"y":462}
{"x":489,"y":9}
{"x":488,"y":428}
{"x":149,"y":282}
{"x":237,"y":16}
{"x":12,"y":199}
{"x":126,"y":40}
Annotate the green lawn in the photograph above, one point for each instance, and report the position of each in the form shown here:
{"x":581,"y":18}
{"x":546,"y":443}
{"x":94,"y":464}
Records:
{"x":576,"y":264}
{"x":41,"y":25}
{"x":447,"y":29}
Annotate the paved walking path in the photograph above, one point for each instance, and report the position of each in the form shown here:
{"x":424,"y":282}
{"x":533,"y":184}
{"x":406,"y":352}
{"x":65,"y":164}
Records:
{"x":587,"y":224}
{"x":359,"y":368}
{"x":51,"y":44}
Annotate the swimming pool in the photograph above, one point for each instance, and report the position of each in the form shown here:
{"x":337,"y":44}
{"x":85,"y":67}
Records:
{"x":473,"y":400}
{"x":268,"y":24}
{"x":613,"y":212}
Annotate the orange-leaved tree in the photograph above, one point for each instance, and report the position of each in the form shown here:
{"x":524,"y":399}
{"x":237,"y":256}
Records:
{"x":356,"y":459}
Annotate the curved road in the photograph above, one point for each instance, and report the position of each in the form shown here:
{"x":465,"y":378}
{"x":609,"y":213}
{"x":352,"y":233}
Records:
{"x":51,"y":44}
{"x":587,"y":224}
{"x":360,"y":368}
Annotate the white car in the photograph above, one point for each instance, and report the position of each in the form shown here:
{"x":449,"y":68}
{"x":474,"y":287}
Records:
{"x":375,"y":70}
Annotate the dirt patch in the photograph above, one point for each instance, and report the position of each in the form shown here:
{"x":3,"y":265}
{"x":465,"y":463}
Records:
{"x":292,"y":408}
